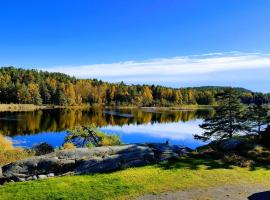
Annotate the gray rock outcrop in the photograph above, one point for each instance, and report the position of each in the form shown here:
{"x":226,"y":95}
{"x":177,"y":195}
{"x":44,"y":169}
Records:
{"x":85,"y":161}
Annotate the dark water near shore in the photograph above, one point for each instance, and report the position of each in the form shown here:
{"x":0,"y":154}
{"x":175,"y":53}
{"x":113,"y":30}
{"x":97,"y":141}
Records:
{"x":132,"y":125}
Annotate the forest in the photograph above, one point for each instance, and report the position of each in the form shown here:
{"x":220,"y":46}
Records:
{"x":29,"y":86}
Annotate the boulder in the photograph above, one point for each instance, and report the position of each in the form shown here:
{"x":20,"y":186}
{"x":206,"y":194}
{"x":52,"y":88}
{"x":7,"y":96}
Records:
{"x":42,"y":176}
{"x":84,"y":161}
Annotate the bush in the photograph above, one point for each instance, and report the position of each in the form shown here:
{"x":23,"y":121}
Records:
{"x":43,"y":148}
{"x":89,"y":136}
{"x":238,"y":160}
{"x":108,"y":140}
{"x":5,"y":144}
{"x":69,"y":145}
{"x":9,"y":153}
{"x":14,"y":155}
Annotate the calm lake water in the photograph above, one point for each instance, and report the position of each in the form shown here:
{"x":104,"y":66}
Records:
{"x":132,"y":125}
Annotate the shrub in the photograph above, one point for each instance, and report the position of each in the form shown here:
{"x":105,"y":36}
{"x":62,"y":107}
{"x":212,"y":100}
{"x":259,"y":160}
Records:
{"x":43,"y":148}
{"x":108,"y":140}
{"x":5,"y":144}
{"x":14,"y":155}
{"x":69,"y":145}
{"x":238,"y":160}
{"x":89,"y":136}
{"x":9,"y":153}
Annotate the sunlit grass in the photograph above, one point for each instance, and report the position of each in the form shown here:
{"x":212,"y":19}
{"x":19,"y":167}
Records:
{"x":18,"y":107}
{"x":186,"y":173}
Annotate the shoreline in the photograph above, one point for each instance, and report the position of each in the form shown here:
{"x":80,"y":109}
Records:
{"x":32,"y":107}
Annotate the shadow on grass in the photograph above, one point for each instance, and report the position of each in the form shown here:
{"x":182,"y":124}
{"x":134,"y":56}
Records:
{"x":194,"y":164}
{"x":258,"y":166}
{"x":207,"y":163}
{"x":260,"y":196}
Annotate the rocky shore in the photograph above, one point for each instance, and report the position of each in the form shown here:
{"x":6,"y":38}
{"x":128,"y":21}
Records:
{"x":87,"y":161}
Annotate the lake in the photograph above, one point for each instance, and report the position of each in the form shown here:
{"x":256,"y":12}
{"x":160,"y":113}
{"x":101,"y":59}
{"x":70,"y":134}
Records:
{"x":132,"y":125}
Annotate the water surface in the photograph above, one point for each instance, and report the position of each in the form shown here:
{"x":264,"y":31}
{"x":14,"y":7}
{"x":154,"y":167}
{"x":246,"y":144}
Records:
{"x":132,"y":125}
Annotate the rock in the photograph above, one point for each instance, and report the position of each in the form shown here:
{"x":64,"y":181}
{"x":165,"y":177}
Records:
{"x":20,"y":179}
{"x":50,"y":175}
{"x":20,"y":175}
{"x":41,"y":176}
{"x":30,"y":178}
{"x":68,"y":174}
{"x":229,"y":145}
{"x":84,"y":160}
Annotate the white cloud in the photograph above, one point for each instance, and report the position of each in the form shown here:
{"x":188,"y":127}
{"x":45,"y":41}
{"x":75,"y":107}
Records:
{"x":212,"y":68}
{"x":198,"y":64}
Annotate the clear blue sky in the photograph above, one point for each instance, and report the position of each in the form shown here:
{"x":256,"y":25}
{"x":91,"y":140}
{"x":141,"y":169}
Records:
{"x":48,"y":33}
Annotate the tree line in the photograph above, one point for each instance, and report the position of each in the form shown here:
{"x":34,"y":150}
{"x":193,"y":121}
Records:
{"x":40,"y":87}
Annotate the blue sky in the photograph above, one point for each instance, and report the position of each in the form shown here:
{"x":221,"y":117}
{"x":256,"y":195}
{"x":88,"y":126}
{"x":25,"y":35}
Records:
{"x":183,"y":42}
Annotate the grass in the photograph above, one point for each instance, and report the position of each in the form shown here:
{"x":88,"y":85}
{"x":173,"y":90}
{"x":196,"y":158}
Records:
{"x":32,"y":107}
{"x":185,"y":173}
{"x":19,"y":107}
{"x":181,"y":107}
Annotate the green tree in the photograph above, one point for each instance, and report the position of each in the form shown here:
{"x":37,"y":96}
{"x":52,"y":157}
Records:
{"x":45,"y":94}
{"x":228,"y":119}
{"x":257,"y":116}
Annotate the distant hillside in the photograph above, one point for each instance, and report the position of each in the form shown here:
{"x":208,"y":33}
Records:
{"x":39,"y":87}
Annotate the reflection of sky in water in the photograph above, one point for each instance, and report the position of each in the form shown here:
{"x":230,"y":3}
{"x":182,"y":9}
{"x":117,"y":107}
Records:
{"x":177,"y":133}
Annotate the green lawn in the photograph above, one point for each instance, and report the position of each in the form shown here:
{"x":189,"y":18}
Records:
{"x":186,"y":173}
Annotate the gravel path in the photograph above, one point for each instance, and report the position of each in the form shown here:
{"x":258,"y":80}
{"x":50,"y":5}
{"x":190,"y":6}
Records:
{"x":230,"y":192}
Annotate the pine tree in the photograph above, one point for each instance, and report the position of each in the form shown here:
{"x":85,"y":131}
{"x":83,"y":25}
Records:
{"x":257,"y":116}
{"x":227,"y":120}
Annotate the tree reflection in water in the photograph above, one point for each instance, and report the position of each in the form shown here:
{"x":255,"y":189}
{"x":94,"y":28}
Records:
{"x":54,"y":120}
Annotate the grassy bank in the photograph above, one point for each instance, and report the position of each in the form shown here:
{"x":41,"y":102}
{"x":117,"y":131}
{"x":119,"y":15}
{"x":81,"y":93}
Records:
{"x":19,"y":107}
{"x":32,"y":107}
{"x":179,"y":108}
{"x":185,"y":173}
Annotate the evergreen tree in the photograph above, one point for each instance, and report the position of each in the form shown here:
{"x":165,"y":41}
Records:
{"x":227,"y":120}
{"x":257,"y":116}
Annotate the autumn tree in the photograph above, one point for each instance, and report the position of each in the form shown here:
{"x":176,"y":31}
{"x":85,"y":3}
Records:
{"x":70,"y":95}
{"x":23,"y":94}
{"x":147,"y":97}
{"x":61,"y":89}
{"x":35,"y":97}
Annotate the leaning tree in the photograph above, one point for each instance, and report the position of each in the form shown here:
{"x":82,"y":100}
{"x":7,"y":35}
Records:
{"x":228,"y":119}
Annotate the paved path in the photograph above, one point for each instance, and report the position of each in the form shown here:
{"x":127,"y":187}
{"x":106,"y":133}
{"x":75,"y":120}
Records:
{"x":230,"y":192}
